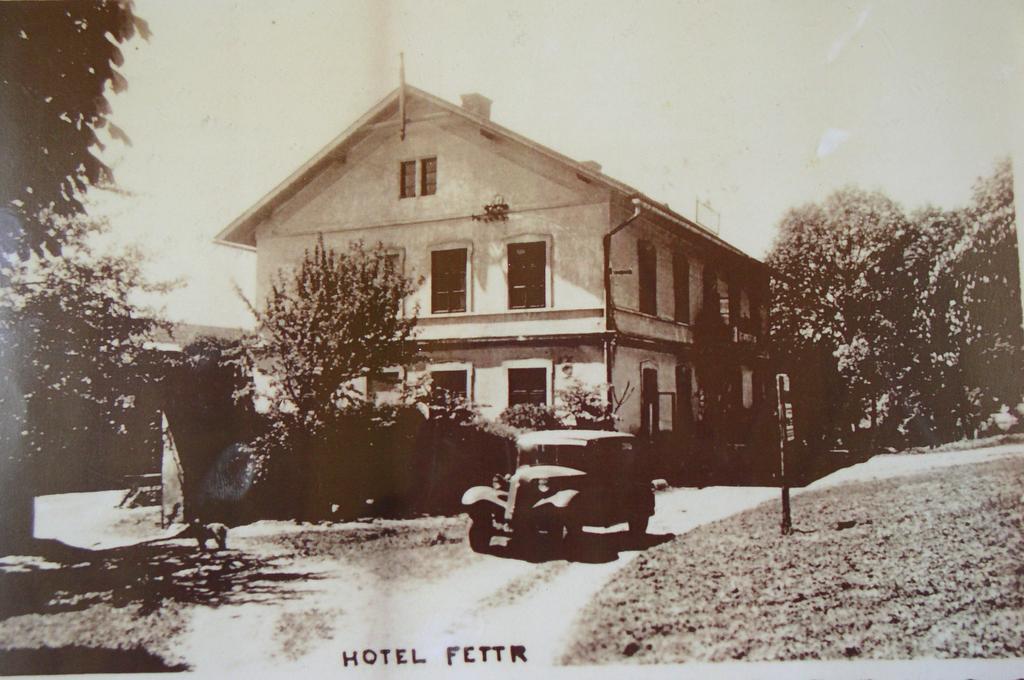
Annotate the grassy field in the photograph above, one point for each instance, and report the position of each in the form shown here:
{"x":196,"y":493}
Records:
{"x":932,"y":566}
{"x":969,"y":444}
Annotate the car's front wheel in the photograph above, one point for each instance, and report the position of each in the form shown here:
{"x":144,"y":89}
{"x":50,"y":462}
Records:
{"x":480,"y":532}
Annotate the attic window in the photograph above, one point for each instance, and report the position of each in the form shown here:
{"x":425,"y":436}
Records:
{"x":428,"y":176}
{"x":407,"y":178}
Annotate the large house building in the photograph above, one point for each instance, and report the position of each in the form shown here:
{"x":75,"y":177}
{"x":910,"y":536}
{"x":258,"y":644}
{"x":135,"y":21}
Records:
{"x":538,"y":270}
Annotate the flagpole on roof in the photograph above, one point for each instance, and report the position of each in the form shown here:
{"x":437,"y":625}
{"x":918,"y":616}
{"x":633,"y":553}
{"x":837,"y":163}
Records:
{"x":401,"y":91}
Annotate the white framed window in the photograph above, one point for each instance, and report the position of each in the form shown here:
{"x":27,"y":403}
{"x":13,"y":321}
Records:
{"x":528,"y":271}
{"x":527,"y":386}
{"x":527,"y":275}
{"x":456,"y":377}
{"x":529,"y":381}
{"x":451,"y":266}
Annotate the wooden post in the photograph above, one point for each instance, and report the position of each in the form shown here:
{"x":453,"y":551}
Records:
{"x":785,"y":434}
{"x":787,"y":518}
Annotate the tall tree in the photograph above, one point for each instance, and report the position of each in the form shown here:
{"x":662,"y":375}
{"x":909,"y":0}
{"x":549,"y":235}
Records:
{"x":335,"y":319}
{"x":70,"y":334}
{"x":937,"y":398}
{"x":60,"y":61}
{"x":837,"y":284}
{"x":967,"y":362}
{"x":987,"y":266}
{"x":921,"y":316}
{"x":72,"y":357}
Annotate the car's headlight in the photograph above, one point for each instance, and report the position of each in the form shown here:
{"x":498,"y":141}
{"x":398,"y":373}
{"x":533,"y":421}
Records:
{"x":542,"y":485}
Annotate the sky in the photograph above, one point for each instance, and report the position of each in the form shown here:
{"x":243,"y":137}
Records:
{"x":754,"y":107}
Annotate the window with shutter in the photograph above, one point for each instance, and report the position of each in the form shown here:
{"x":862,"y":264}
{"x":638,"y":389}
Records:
{"x":724,"y":301}
{"x":448,"y":281}
{"x":527,"y":386}
{"x":526,"y":275}
{"x":647,"y":265}
{"x":453,"y":381}
{"x":407,"y":179}
{"x":428,"y":176}
{"x":681,"y":281}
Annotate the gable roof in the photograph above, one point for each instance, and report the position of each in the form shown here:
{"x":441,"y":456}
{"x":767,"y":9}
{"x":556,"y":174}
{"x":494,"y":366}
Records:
{"x":241,"y":231}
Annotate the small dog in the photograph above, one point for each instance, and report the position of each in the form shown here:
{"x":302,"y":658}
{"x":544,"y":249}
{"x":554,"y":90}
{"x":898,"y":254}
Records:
{"x":214,"y":531}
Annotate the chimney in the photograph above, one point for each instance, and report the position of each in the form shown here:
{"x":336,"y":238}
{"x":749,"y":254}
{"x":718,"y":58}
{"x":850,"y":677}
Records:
{"x":477,"y":104}
{"x":593,"y":166}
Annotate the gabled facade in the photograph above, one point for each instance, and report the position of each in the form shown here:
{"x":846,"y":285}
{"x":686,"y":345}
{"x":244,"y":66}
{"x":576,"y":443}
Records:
{"x":581,"y":278}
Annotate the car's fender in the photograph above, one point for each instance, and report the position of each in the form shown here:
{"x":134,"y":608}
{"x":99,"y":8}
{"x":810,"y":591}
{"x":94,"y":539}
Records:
{"x":484,"y":494}
{"x":558,"y":500}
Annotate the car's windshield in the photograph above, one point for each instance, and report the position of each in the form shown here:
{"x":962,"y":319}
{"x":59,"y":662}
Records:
{"x":603,"y":454}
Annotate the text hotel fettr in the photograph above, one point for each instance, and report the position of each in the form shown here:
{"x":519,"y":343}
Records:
{"x":453,"y":655}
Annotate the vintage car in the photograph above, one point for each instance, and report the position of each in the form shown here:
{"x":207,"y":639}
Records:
{"x":565,"y":480}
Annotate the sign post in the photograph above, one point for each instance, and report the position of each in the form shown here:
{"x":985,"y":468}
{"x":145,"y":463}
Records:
{"x":786,"y":434}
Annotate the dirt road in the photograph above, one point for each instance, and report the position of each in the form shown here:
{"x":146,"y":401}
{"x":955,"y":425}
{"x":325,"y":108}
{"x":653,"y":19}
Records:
{"x":416,"y":584}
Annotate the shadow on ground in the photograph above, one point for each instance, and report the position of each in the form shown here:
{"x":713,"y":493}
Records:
{"x":586,"y":547}
{"x":69,"y":660}
{"x":72,"y":578}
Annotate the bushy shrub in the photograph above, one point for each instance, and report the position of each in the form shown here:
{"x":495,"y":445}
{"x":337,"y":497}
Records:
{"x":496,"y":428}
{"x":452,"y":407}
{"x":531,"y":417}
{"x":360,"y":463}
{"x":1006,"y":420}
{"x":453,"y":458}
{"x":379,"y":460}
{"x":586,"y":407}
{"x":458,"y":449}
